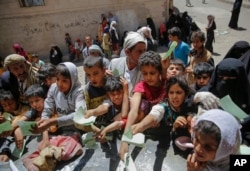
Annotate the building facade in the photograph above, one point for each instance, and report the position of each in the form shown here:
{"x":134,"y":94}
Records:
{"x":38,"y":24}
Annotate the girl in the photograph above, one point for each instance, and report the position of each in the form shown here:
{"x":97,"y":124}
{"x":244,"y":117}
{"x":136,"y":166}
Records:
{"x":168,"y":111}
{"x":216,"y":135}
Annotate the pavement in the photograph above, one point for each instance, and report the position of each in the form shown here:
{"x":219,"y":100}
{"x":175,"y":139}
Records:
{"x":224,"y":39}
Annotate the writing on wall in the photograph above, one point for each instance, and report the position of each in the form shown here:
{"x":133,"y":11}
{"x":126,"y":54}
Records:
{"x":44,"y":25}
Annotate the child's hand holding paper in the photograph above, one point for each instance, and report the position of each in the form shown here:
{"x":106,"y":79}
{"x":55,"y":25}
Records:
{"x":80,"y":119}
{"x":170,"y":50}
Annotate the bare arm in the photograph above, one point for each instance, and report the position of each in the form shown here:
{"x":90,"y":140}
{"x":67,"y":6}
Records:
{"x":100,"y":110}
{"x":125,"y":102}
{"x":133,"y":113}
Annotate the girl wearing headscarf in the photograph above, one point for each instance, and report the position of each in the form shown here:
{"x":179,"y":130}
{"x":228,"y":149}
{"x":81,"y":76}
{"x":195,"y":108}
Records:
{"x":230,"y":78}
{"x":216,"y":136}
{"x":210,"y":33}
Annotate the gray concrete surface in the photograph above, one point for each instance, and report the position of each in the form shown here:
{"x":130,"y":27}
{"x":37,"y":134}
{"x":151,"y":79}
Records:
{"x":225,"y":38}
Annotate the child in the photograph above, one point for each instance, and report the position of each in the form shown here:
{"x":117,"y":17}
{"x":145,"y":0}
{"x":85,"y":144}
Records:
{"x":210,"y":33}
{"x":5,"y":151}
{"x":36,"y":62}
{"x":148,"y":92}
{"x":152,"y":88}
{"x":182,"y":50}
{"x":106,"y":42}
{"x":35,"y":95}
{"x":198,"y":54}
{"x":47,"y":76}
{"x":78,"y":49}
{"x":202,"y":74}
{"x":94,"y":92}
{"x":212,"y":144}
{"x":167,"y":114}
{"x":12,"y":106}
{"x":176,"y":67}
{"x":64,"y":97}
{"x":117,"y":91}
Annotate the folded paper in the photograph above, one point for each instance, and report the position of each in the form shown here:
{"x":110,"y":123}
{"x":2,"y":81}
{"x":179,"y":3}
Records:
{"x":170,"y":50}
{"x":228,"y":105}
{"x":81,"y":120}
{"x":26,"y":127}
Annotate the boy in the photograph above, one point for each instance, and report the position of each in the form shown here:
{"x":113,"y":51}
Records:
{"x":36,"y":62}
{"x":202,"y":74}
{"x":64,"y":97}
{"x":94,"y":92}
{"x":117,"y":92}
{"x":35,"y":95}
{"x":176,"y":67}
{"x":198,"y":54}
{"x":182,"y":50}
{"x":12,"y":106}
{"x":47,"y":76}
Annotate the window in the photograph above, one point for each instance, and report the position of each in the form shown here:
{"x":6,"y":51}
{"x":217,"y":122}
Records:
{"x":31,"y":3}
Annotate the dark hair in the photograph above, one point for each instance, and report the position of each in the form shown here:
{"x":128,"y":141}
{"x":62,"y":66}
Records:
{"x":35,"y":90}
{"x":6,"y":95}
{"x":203,"y":68}
{"x":198,"y":35}
{"x":113,"y":83}
{"x":181,"y":81}
{"x":96,"y":61}
{"x":205,"y":127}
{"x":175,"y":31}
{"x":62,"y":70}
{"x":177,"y":61}
{"x":47,"y":70}
{"x":150,"y":58}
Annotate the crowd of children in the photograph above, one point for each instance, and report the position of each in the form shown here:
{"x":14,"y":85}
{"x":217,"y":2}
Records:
{"x":140,"y":92}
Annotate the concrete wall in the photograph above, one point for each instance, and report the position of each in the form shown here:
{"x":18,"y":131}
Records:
{"x":36,"y":28}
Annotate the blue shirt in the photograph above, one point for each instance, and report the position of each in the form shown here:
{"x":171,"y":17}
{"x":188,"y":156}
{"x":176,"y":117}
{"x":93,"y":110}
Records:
{"x":181,"y":52}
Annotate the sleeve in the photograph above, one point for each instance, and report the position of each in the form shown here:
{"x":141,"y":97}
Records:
{"x":31,"y":114}
{"x":68,"y":119}
{"x":157,"y":112}
{"x":139,"y":87}
{"x":49,"y":103}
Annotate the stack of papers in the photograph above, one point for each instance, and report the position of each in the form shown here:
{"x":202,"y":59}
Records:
{"x":81,"y":120}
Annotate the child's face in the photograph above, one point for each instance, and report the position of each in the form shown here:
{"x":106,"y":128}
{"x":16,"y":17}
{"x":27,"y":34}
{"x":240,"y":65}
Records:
{"x":151,"y":75}
{"x":197,"y":43}
{"x":63,"y":83}
{"x":176,"y":96}
{"x":36,"y":103}
{"x":202,"y":80}
{"x":49,"y":81}
{"x":173,"y":70}
{"x":205,"y":147}
{"x":116,"y":97}
{"x":95,"y":75}
{"x":34,"y":59}
{"x":172,"y":38}
{"x":9,"y":105}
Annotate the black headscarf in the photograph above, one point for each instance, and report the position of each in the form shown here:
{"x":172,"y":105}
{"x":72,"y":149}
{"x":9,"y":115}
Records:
{"x":238,"y":49}
{"x":246,"y":61}
{"x":238,"y":89}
